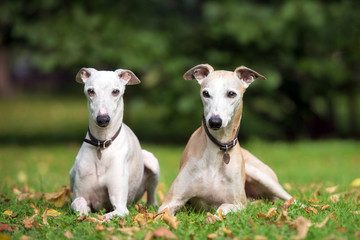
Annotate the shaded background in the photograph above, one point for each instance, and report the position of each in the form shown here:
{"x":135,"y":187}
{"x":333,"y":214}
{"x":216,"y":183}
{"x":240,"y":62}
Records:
{"x":308,"y":50}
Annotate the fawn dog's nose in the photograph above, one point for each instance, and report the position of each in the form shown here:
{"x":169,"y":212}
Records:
{"x":215,"y":122}
{"x":103,"y":120}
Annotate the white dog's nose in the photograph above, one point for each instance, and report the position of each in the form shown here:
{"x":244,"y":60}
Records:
{"x":103,"y":120}
{"x":215,"y":122}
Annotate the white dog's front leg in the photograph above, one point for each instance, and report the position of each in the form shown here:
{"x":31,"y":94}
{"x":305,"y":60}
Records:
{"x":118,"y":195}
{"x":80,"y":205}
{"x":227,"y":207}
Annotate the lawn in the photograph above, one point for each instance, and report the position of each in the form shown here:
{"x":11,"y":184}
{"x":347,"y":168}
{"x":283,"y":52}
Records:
{"x":318,"y":173}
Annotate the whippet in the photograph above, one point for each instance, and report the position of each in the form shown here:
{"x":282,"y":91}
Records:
{"x":215,"y":172}
{"x":111,"y":170}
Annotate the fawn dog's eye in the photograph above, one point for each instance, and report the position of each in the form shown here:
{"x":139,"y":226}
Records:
{"x":231,"y":94}
{"x":206,"y":94}
{"x":115,"y":92}
{"x":91,"y":92}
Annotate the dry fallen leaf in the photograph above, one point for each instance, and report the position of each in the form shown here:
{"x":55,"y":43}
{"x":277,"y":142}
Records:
{"x":211,"y":236}
{"x":30,"y":222}
{"x":129,"y":230}
{"x":341,"y":229}
{"x":171,"y":220}
{"x":331,"y":189}
{"x":121,"y":222}
{"x":283,"y":217}
{"x":140,"y":219}
{"x":8,"y":212}
{"x":58,"y":198}
{"x":211,"y":219}
{"x":355,"y":182}
{"x":288,"y":203}
{"x":252,"y":224}
{"x":321,"y":224}
{"x":52,"y":213}
{"x":301,"y":225}
{"x":325,"y":207}
{"x":227,"y":231}
{"x":221,"y":217}
{"x":271,"y":213}
{"x":312,"y":209}
{"x":162,"y":232}
{"x":68,"y":234}
{"x":259,"y":237}
{"x":6,"y":227}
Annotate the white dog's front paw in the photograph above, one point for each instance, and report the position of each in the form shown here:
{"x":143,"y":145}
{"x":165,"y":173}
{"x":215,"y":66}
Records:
{"x":121,"y":212}
{"x":80,"y":205}
{"x":227,"y":208}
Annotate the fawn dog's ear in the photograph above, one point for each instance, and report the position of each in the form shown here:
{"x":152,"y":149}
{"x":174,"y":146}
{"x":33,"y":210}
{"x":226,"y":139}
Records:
{"x":127,"y":76}
{"x":84,"y":74}
{"x":199,"y":72}
{"x":247,"y":75}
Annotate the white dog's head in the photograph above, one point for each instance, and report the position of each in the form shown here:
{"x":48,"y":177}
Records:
{"x":104,"y":91}
{"x":221,"y":92}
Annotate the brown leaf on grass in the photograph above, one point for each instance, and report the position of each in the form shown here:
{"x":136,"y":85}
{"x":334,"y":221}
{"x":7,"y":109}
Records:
{"x":301,"y":225}
{"x":322,"y":224}
{"x":271,"y":213}
{"x":24,"y":237}
{"x":211,"y":236}
{"x":211,"y":219}
{"x":88,"y":219}
{"x":44,"y":217}
{"x":58,"y":198}
{"x":68,"y":235}
{"x":331,"y":189}
{"x":227,"y":231}
{"x":355,"y":212}
{"x":221,"y":217}
{"x":283,"y":217}
{"x":311,"y":209}
{"x":288,"y":203}
{"x":171,"y":220}
{"x":6,"y":227}
{"x":355,"y":182}
{"x":162,"y":232}
{"x":324,"y":207}
{"x":341,"y":229}
{"x":140,"y":219}
{"x":121,"y":222}
{"x":129,"y":230}
{"x":30,"y":222}
{"x":259,"y":237}
{"x":335,"y":198}
{"x":252,"y":224}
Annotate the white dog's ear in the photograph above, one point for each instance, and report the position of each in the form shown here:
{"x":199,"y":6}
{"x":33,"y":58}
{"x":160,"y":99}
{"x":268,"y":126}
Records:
{"x":127,"y":76}
{"x":247,"y":75}
{"x":199,"y":72}
{"x":84,"y":74}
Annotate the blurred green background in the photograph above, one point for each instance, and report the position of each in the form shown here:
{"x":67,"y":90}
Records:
{"x":308,"y":50}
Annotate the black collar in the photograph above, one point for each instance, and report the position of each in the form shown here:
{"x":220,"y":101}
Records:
{"x":223,"y":146}
{"x":101,"y":144}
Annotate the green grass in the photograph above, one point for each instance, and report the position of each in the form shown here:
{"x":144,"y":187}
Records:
{"x":38,"y":152}
{"x":44,"y":168}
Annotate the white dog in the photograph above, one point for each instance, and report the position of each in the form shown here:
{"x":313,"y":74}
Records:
{"x":111,"y":170}
{"x":215,"y":172}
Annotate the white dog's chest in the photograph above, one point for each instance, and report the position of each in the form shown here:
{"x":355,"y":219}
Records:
{"x":214,"y":185}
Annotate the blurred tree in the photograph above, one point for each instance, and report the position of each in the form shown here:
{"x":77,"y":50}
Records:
{"x":309,"y":50}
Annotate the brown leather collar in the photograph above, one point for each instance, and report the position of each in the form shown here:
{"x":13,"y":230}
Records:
{"x":101,"y":144}
{"x":223,"y":146}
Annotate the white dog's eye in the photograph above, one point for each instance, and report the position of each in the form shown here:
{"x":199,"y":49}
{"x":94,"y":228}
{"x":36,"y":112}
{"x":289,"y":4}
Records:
{"x":91,"y":92}
{"x":115,"y":92}
{"x":206,"y":94}
{"x":231,"y":94}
